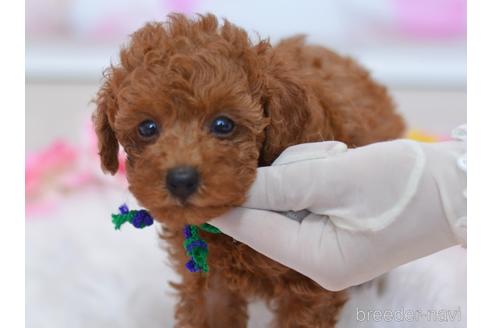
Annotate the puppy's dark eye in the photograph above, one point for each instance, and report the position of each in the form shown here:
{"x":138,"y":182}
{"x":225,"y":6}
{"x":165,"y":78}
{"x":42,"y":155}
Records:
{"x":222,"y":126}
{"x":147,"y":129}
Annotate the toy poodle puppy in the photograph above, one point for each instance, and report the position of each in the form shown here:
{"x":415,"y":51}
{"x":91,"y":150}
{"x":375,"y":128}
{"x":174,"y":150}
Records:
{"x":197,"y":107}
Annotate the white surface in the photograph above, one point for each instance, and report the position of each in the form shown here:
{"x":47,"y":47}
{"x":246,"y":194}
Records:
{"x":80,"y":272}
{"x":434,"y":285}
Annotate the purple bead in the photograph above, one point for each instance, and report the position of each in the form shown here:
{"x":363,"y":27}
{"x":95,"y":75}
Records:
{"x":194,"y":244}
{"x":137,"y":221}
{"x":187,"y":231}
{"x":191,"y":266}
{"x":123,"y":209}
{"x":142,"y":219}
{"x":147,"y":219}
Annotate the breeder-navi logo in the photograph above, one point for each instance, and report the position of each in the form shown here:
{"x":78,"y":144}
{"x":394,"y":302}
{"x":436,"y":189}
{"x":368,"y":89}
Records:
{"x":409,"y":315}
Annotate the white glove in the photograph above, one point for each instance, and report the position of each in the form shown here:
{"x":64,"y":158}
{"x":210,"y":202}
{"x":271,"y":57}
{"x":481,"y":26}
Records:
{"x":371,"y":209}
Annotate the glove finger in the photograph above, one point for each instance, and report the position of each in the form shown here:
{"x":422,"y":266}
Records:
{"x":269,"y":233}
{"x":282,"y":187}
{"x":310,"y":151}
{"x":311,"y":247}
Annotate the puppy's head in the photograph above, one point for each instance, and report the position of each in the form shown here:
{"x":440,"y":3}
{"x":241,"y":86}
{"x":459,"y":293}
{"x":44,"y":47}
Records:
{"x":197,"y":107}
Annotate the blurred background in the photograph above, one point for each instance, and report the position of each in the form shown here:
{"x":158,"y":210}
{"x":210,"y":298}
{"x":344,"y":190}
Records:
{"x":409,"y":45}
{"x":415,"y":47}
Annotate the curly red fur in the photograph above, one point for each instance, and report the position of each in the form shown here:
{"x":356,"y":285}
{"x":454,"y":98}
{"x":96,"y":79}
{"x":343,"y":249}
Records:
{"x":182,"y":74}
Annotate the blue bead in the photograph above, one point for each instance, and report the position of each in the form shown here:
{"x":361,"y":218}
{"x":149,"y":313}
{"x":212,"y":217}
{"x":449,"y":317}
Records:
{"x":196,"y":243}
{"x":123,"y":209}
{"x":187,"y":231}
{"x":147,"y":219}
{"x":138,"y":221}
{"x":191,"y":266}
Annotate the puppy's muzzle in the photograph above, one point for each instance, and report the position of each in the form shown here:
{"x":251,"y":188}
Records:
{"x":182,"y":181}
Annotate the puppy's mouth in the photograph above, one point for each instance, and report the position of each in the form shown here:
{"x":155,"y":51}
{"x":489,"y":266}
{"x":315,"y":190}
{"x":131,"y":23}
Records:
{"x":199,"y":203}
{"x":188,"y":213}
{"x":188,"y":202}
{"x":202,"y":198}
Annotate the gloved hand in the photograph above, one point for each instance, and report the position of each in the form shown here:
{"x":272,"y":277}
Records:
{"x":371,"y":208}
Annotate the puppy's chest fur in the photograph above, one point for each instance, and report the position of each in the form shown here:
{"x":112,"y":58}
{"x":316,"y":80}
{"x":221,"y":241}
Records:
{"x":242,"y":270}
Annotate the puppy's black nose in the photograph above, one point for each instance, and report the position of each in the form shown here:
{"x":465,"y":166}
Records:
{"x":182,"y":181}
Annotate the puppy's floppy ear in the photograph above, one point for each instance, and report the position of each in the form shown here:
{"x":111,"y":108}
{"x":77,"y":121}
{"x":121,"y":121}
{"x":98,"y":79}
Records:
{"x":285,"y":103}
{"x":107,"y":142}
{"x":140,"y":51}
